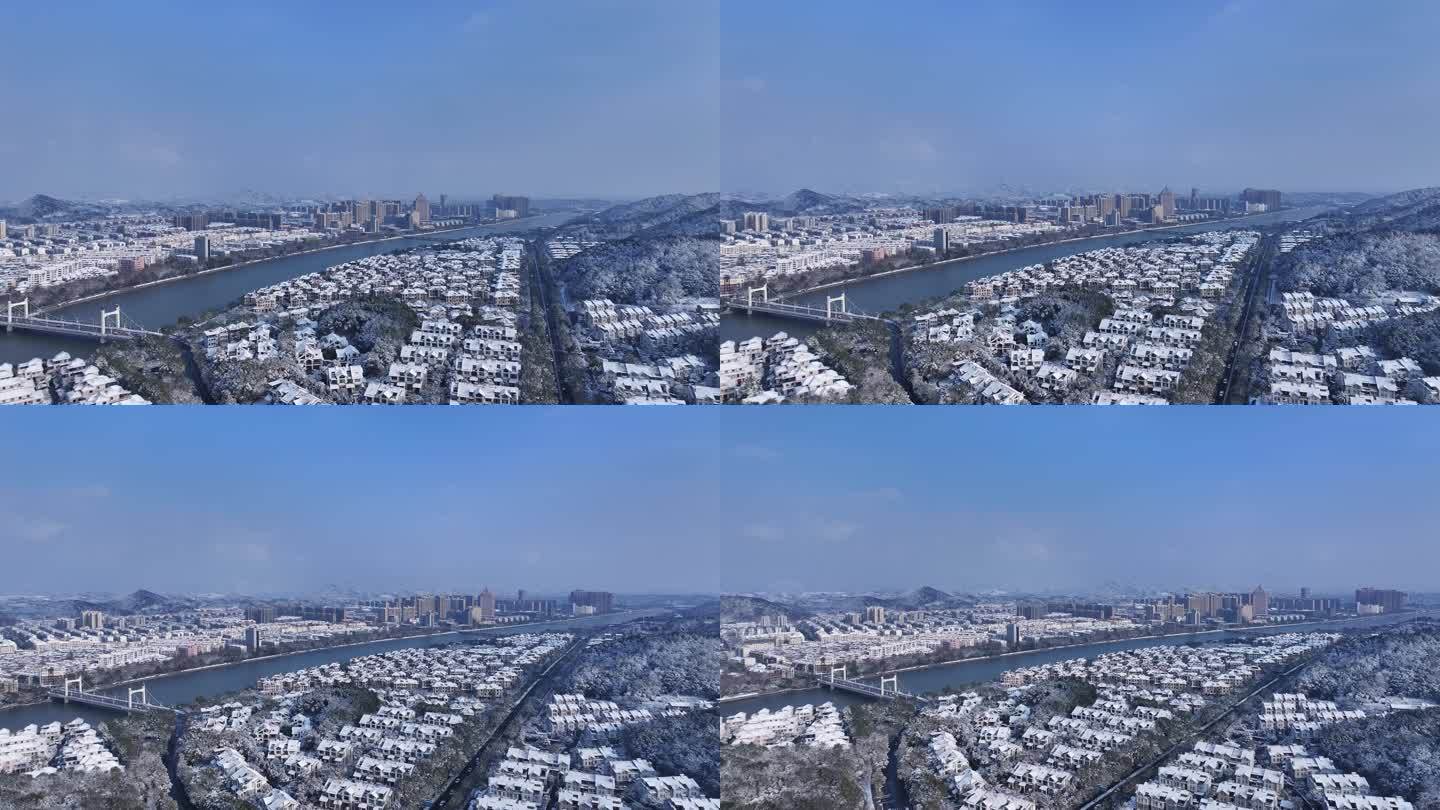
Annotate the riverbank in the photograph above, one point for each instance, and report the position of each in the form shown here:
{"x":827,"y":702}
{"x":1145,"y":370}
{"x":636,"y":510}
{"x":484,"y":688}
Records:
{"x":179,"y":676}
{"x":830,"y":285}
{"x":1150,"y":637}
{"x":275,"y":656}
{"x":100,"y":296}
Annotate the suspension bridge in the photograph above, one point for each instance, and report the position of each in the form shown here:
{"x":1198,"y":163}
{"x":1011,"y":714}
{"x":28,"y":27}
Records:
{"x":757,"y":300}
{"x":137,"y":698}
{"x":112,"y":325}
{"x":889,"y":688}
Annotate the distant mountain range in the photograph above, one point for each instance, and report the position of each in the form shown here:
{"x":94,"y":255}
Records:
{"x":140,"y":602}
{"x":699,"y":214}
{"x":751,"y":608}
{"x":1414,"y":210}
{"x":42,"y":207}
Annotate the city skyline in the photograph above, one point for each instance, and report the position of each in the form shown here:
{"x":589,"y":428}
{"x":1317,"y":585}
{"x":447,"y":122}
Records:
{"x":1180,"y":498}
{"x":523,"y":499}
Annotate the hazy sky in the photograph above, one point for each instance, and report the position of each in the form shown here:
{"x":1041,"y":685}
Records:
{"x":362,"y":97}
{"x":939,"y":95}
{"x":266,"y":500}
{"x":637,"y":97}
{"x":974,"y":498}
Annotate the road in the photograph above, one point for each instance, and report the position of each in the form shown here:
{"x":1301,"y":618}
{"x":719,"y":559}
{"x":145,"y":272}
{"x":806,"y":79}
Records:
{"x":540,"y":290}
{"x":1256,"y":278}
{"x":447,"y":797}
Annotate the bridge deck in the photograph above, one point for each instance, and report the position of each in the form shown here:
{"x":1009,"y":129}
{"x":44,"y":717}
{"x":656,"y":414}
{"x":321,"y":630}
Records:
{"x":104,"y":701}
{"x":867,"y":689}
{"x":796,"y":311}
{"x":77,"y":328}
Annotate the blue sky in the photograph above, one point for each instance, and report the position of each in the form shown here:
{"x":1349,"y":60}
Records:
{"x":363,"y":97}
{"x":267,"y":500}
{"x":706,"y":499}
{"x":633,"y":97}
{"x":939,"y":96}
{"x":1069,"y":498}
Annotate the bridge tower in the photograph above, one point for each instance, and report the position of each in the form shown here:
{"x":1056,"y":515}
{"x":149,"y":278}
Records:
{"x":892,"y":681}
{"x":830,"y":301}
{"x":834,"y":670}
{"x":10,"y":307}
{"x":144,"y":698}
{"x":105,"y":320}
{"x":764,"y":291}
{"x":79,"y":686}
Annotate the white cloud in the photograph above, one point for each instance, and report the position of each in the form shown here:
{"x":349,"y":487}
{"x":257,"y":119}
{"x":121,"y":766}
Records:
{"x":756,"y":452}
{"x":37,"y":530}
{"x":763,"y":531}
{"x":887,"y":494}
{"x":475,"y":22}
{"x":837,"y":530}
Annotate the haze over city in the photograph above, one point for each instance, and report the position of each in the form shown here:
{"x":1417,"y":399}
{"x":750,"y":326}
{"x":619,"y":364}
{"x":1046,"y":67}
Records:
{"x":262,"y":504}
{"x":1075,"y":501}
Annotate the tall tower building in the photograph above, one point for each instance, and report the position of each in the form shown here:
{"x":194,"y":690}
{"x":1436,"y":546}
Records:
{"x":422,"y":209}
{"x":1167,"y":203}
{"x":485,"y":603}
{"x":1260,"y":600}
{"x":202,"y":249}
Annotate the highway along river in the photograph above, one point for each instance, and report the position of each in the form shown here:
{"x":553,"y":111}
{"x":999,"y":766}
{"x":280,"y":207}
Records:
{"x":181,"y":688}
{"x":963,"y":674}
{"x":164,"y":304}
{"x":887,"y":293}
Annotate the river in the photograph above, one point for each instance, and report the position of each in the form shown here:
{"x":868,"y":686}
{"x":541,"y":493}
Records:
{"x":164,"y":304}
{"x":887,"y":293}
{"x":180,"y":688}
{"x":962,"y":674}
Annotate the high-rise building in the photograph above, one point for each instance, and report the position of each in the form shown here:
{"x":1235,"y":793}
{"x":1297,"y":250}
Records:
{"x":1029,"y":610}
{"x":1204,"y":604}
{"x":442,"y":203}
{"x":92,"y":619}
{"x":253,"y":639}
{"x":193,"y":222}
{"x":1167,"y":204}
{"x":1012,"y":634}
{"x":485,"y":603}
{"x":508,"y":202}
{"x":757,"y":221}
{"x":422,"y":209}
{"x":1388,"y":600}
{"x":1260,"y":601}
{"x":1268,"y":197}
{"x":875,"y":614}
{"x":262,"y":614}
{"x":2,"y":229}
{"x":600,"y":601}
{"x":941,"y":215}
{"x":942,"y":240}
{"x":202,"y":249}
